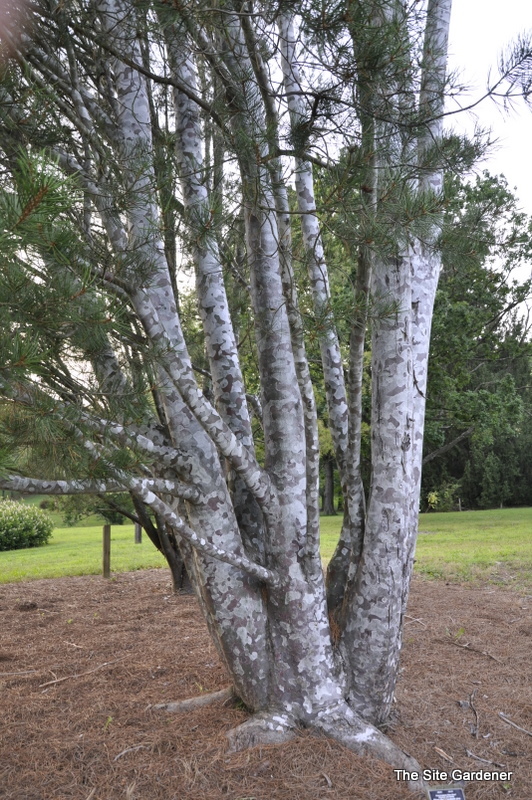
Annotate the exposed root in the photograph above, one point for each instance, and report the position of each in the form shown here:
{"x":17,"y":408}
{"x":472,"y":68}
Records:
{"x":346,"y":727}
{"x":339,"y":723}
{"x":262,"y":728}
{"x":191,"y":703}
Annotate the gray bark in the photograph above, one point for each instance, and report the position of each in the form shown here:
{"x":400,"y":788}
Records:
{"x":315,"y":256}
{"x":405,"y":288}
{"x":343,"y":566}
{"x":228,"y":383}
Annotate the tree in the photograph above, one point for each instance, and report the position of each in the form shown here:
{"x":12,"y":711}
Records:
{"x":177,"y":130}
{"x":328,"y":469}
{"x":480,"y":349}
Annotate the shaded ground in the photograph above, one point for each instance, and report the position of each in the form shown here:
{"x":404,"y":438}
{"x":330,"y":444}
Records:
{"x":82,"y":660}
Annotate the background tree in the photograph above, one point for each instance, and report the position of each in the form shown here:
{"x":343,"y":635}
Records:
{"x":480,"y":352}
{"x":328,"y":468}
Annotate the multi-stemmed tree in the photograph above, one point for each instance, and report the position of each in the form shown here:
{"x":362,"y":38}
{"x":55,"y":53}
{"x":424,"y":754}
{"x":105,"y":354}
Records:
{"x":139,"y":136}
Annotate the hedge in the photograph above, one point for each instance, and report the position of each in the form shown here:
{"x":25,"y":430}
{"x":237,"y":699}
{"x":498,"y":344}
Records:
{"x":23,"y":526}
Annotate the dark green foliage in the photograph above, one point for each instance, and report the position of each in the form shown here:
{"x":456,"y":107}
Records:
{"x":61,"y":338}
{"x":478,"y":408}
{"x":23,"y":526}
{"x":110,"y":507}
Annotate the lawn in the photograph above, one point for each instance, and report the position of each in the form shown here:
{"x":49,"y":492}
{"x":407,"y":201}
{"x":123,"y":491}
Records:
{"x":493,"y":545}
{"x":477,"y":546}
{"x":78,"y":551}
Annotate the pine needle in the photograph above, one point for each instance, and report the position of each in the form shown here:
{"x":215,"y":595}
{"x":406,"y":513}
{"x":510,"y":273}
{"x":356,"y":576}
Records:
{"x":32,"y":205}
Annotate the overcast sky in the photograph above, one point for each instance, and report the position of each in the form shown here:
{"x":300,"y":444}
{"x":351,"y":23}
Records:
{"x":480,"y":30}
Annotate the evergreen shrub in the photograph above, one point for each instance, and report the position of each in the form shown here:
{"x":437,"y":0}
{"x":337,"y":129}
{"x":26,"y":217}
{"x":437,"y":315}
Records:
{"x":23,"y":526}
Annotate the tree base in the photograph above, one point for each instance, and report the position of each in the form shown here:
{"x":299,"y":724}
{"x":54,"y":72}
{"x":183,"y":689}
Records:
{"x":340,"y":724}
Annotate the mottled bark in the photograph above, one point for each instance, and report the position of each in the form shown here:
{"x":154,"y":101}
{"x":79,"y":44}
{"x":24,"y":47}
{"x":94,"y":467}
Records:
{"x":372,"y":632}
{"x":431,"y":181}
{"x":158,"y":535}
{"x":312,"y":241}
{"x":16,"y":483}
{"x":229,"y":597}
{"x":343,"y":565}
{"x":403,"y":291}
{"x":304,"y":673}
{"x":228,"y":383}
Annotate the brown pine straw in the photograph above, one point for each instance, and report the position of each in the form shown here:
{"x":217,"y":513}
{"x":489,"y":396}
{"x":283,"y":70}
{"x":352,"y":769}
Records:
{"x":96,"y":734}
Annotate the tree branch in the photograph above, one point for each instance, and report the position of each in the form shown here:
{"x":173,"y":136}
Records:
{"x":17,"y":483}
{"x":209,"y":549}
{"x":160,"y":79}
{"x":449,"y":446}
{"x":182,"y":377}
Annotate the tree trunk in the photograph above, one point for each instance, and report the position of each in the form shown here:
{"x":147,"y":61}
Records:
{"x":328,"y":486}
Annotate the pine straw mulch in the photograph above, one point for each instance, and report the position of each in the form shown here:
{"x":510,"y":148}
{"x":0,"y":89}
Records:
{"x":82,"y":660}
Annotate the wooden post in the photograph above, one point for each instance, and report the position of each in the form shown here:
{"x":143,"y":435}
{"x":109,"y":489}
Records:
{"x":106,"y":551}
{"x":138,"y":533}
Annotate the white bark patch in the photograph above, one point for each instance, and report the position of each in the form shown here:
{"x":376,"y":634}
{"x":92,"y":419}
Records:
{"x":365,"y":736}
{"x":245,"y":638}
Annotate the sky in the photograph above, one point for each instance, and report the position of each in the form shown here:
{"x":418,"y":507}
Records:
{"x":480,"y":30}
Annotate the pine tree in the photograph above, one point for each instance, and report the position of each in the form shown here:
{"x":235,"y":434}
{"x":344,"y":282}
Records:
{"x":181,"y":130}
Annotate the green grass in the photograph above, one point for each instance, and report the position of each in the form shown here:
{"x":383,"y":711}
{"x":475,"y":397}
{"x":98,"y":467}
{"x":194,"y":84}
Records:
{"x":478,"y":546}
{"x":329,"y":533}
{"x":78,"y":551}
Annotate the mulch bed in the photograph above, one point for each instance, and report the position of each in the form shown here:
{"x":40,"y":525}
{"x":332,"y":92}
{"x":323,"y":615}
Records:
{"x":83,"y":661}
